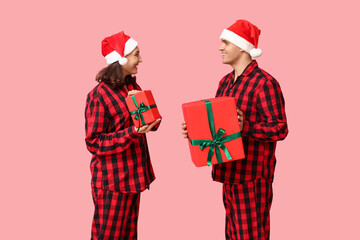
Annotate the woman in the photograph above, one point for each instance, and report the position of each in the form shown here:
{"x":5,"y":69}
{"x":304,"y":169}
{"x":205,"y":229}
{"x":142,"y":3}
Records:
{"x":120,"y":166}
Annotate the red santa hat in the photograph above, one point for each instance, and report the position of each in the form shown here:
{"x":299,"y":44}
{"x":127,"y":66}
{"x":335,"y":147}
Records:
{"x":245,"y":35}
{"x":117,"y":47}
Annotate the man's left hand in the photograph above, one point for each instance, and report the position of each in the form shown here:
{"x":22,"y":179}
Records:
{"x":241,"y":118}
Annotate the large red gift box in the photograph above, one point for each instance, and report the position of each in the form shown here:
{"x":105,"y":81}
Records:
{"x":213,"y":130}
{"x":142,"y":108}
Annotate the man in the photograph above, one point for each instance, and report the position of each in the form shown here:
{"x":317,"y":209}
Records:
{"x":247,"y":183}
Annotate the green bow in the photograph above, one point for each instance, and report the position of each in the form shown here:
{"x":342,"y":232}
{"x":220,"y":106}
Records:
{"x":218,"y":139}
{"x":140,"y":110}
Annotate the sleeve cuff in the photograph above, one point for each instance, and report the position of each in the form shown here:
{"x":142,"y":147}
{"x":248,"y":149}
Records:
{"x":156,"y":126}
{"x":133,"y":133}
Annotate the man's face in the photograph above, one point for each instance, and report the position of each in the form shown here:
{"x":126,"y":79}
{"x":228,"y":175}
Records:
{"x":230,"y":53}
{"x":134,"y":59}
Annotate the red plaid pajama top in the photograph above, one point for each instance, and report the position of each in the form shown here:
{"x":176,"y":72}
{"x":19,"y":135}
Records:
{"x":259,"y":97}
{"x":121,"y":160}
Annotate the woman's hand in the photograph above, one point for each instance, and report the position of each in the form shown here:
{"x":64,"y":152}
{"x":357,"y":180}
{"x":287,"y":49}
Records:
{"x":147,"y":128}
{"x":132,"y":92}
{"x":184,"y":129}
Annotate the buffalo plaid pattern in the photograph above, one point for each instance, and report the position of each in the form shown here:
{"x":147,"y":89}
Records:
{"x":116,"y":215}
{"x":121,"y":160}
{"x":259,"y":97}
{"x":248,"y":210}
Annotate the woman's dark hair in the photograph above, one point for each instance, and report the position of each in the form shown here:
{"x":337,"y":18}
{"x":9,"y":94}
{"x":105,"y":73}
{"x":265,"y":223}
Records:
{"x":113,"y":76}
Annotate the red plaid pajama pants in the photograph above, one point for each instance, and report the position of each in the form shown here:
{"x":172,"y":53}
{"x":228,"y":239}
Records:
{"x":247,"y":208}
{"x":115,"y":216}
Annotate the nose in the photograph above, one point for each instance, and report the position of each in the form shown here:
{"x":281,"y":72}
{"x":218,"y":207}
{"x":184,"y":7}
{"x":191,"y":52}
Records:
{"x":140,"y":59}
{"x":221,"y":47}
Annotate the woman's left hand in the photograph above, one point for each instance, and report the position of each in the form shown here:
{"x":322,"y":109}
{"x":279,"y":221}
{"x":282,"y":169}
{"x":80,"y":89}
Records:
{"x":147,"y":128}
{"x":132,"y":92}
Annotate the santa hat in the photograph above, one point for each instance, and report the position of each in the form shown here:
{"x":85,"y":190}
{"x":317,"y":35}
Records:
{"x":245,"y":35}
{"x":117,"y":47}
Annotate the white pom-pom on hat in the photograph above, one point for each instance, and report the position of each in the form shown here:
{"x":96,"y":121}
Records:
{"x":255,"y":52}
{"x":123,"y":61}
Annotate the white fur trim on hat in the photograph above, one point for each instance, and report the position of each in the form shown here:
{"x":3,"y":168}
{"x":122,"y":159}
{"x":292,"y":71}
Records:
{"x":112,"y":57}
{"x":237,"y":40}
{"x":130,"y":45}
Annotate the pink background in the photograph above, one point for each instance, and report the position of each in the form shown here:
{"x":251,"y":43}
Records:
{"x":50,"y":54}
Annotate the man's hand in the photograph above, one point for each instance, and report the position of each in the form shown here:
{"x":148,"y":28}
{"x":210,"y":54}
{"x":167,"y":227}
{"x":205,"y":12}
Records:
{"x":132,"y":92}
{"x":147,"y":128}
{"x":184,"y":129}
{"x":241,"y":118}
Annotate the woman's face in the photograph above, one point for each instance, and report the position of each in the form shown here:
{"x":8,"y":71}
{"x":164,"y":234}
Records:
{"x":134,"y":59}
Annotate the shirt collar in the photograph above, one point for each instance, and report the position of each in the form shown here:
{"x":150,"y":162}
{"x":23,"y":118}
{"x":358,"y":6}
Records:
{"x":249,"y":68}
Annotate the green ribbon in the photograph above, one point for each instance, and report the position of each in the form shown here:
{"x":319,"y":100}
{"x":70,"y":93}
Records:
{"x":140,"y":109}
{"x":218,"y":139}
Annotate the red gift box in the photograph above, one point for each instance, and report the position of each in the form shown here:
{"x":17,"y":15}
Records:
{"x":142,"y":108}
{"x":213,"y":130}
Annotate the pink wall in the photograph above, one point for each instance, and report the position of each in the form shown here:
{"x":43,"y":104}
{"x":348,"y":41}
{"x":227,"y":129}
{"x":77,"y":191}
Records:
{"x":50,"y":53}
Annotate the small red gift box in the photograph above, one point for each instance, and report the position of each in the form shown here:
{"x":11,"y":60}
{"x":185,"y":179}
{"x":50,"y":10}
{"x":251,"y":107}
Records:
{"x":142,"y":108}
{"x":213,"y":130}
